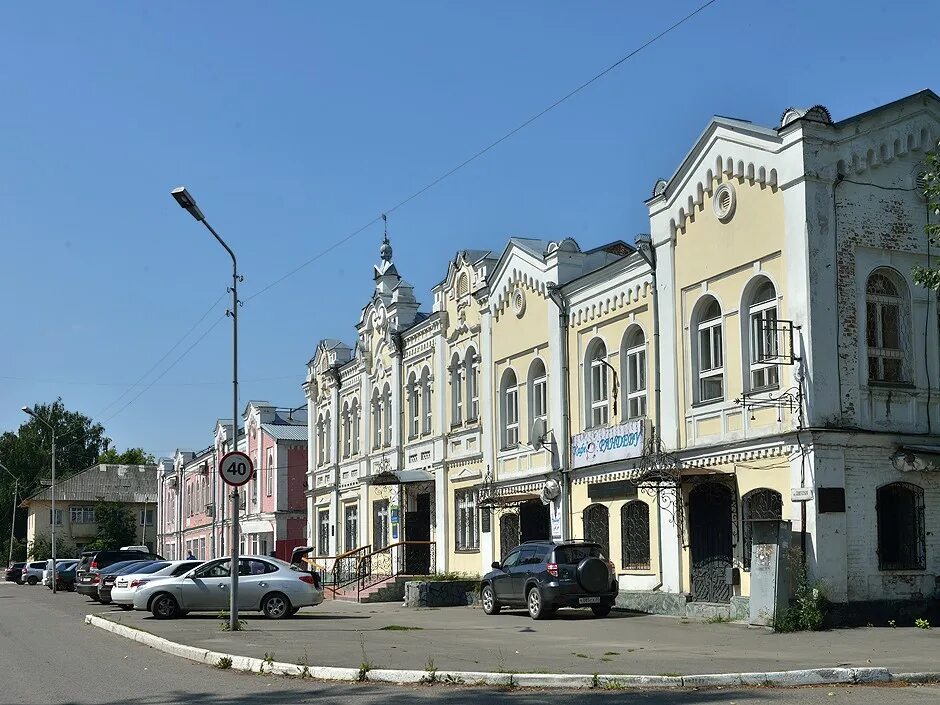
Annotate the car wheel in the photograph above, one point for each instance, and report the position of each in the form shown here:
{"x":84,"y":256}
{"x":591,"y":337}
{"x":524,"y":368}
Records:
{"x":104,"y":600}
{"x":276,"y":606}
{"x":488,"y":598}
{"x":32,"y":580}
{"x":126,"y":607}
{"x":164,"y":606}
{"x":294,"y":610}
{"x":601,"y":610}
{"x":537,"y":608}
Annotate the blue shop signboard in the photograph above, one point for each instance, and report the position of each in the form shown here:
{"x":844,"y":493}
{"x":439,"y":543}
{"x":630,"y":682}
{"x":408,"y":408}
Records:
{"x":605,"y":445}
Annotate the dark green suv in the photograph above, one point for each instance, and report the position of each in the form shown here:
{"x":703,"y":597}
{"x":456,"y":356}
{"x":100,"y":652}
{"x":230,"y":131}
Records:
{"x":546,"y":575}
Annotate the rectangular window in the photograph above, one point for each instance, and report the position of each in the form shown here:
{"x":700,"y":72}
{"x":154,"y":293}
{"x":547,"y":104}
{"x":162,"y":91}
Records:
{"x":764,"y":373}
{"x":388,"y":420}
{"x":540,"y":398}
{"x":81,"y":515}
{"x":269,"y":478}
{"x":512,"y":417}
{"x":380,"y":524}
{"x":427,"y":403}
{"x":377,"y":423}
{"x":58,"y":517}
{"x":323,"y":532}
{"x":202,"y":549}
{"x":710,"y":363}
{"x":415,"y":415}
{"x":473,"y":394}
{"x":599,"y":406}
{"x":636,"y":382}
{"x":456,"y":389}
{"x":467,"y":529}
{"x":146,"y":517}
{"x":351,"y":527}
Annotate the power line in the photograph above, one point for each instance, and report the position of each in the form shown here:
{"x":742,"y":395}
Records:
{"x":164,"y":357}
{"x":205,"y":383}
{"x":484,"y":150}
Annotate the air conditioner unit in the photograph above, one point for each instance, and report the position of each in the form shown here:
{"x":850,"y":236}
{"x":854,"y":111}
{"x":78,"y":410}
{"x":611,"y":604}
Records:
{"x":210,"y":510}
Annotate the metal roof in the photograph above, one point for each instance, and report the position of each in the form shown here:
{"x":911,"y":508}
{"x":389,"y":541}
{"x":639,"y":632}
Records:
{"x":285,"y":432}
{"x":111,"y":483}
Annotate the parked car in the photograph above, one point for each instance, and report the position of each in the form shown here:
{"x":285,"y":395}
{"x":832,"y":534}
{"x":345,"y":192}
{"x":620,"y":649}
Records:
{"x":265,"y":584}
{"x":32,"y":572}
{"x":93,"y":561}
{"x":65,"y":577}
{"x":107,"y":576}
{"x":545,"y":575}
{"x":145,"y":549}
{"x":127,"y":583}
{"x":15,"y":572}
{"x":59,"y":563}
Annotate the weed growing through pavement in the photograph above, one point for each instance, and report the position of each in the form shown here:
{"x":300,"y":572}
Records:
{"x":595,"y":680}
{"x":611,"y":653}
{"x":431,"y":677}
{"x":366,"y":664}
{"x":892,"y":624}
{"x":268,"y":661}
{"x":224,"y":625}
{"x":305,"y":666}
{"x":224,"y":663}
{"x":399,"y":628}
{"x":922,"y":624}
{"x":717,"y":619}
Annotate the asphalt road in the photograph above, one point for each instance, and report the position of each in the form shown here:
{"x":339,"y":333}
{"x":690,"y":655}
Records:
{"x":49,"y":657}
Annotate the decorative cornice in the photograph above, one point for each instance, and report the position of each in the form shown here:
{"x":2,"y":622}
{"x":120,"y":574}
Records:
{"x":611,"y":302}
{"x":883,"y":147}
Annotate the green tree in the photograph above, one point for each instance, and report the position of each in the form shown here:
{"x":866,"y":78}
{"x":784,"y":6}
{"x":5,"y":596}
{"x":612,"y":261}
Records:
{"x":27,"y":452}
{"x":40,"y":548}
{"x":116,"y":525}
{"x":131,"y":456}
{"x":929,"y":277}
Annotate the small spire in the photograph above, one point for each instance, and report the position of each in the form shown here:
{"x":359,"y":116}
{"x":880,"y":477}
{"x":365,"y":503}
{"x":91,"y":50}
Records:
{"x":385,"y":251}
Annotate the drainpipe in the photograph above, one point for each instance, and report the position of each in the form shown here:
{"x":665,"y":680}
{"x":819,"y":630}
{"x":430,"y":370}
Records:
{"x":556,"y":295}
{"x":644,"y":241}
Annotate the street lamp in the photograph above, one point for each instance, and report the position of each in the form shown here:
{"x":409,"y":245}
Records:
{"x":16,"y":489}
{"x":30,"y":412}
{"x":186,"y":201}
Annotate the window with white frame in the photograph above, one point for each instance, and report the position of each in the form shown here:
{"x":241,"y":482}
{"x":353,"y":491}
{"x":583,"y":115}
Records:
{"x":413,"y":411}
{"x":323,"y":532}
{"x":473,"y":385}
{"x":426,"y":403}
{"x":538,"y":391}
{"x":355,"y":423}
{"x":762,"y":320}
{"x":256,"y":481}
{"x":456,"y":391}
{"x":351,"y":526}
{"x":709,"y":355}
{"x":634,"y":357}
{"x":509,"y":407}
{"x":347,"y":430}
{"x":387,"y":395}
{"x":269,"y":478}
{"x":887,"y":323}
{"x":327,"y":436}
{"x":321,"y":439}
{"x":145,"y":517}
{"x":467,"y":528}
{"x":377,"y":423}
{"x":597,"y":385}
{"x":81,"y":515}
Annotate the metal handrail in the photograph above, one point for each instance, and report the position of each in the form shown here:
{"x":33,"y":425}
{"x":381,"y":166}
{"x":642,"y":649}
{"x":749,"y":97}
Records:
{"x":341,"y":579}
{"x":394,"y":557}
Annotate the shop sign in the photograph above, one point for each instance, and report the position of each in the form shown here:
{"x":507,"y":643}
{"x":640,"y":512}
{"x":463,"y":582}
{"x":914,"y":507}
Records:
{"x":605,"y":445}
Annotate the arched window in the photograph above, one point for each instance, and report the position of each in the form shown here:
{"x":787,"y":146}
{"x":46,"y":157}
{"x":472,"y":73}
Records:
{"x":413,"y":413}
{"x":472,"y":364}
{"x":538,"y":392}
{"x":901,"y":535}
{"x":321,"y":439}
{"x":387,"y":400}
{"x":762,"y":347}
{"x":887,"y":327}
{"x":377,"y":423}
{"x":327,"y":437}
{"x":755,"y":506}
{"x":456,"y":391}
{"x":347,"y":430}
{"x":463,"y":285}
{"x":596,"y":386}
{"x":635,"y":535}
{"x":597,"y":527}
{"x":634,"y":372}
{"x":509,"y":409}
{"x":354,"y":423}
{"x":426,"y":399}
{"x":707,"y":354}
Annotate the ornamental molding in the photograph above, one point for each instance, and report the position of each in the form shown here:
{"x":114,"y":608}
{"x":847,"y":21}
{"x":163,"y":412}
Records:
{"x":611,"y":302}
{"x":728,"y":458}
{"x":884,"y":146}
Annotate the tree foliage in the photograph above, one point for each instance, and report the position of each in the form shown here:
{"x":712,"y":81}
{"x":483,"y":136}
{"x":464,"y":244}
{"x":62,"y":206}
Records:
{"x":131,"y":456}
{"x":40,"y":548}
{"x":116,"y":525}
{"x":929,"y":277}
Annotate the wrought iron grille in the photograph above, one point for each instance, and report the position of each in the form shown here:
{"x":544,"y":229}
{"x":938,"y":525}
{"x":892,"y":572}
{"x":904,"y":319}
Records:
{"x":635,"y":535}
{"x":597,"y":527}
{"x":712,"y":522}
{"x":901,"y":528}
{"x":757,"y":505}
{"x":508,"y":533}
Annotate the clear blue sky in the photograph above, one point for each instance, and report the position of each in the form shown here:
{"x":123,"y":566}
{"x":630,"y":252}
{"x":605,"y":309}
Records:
{"x":295,"y":123}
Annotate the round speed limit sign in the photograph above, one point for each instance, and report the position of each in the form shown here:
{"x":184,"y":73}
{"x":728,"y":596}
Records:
{"x":236,"y":468}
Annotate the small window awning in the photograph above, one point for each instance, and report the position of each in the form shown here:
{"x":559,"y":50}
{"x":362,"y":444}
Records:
{"x":916,"y":458}
{"x":400,"y":477}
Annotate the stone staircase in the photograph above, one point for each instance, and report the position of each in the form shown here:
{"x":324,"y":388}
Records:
{"x":390,"y":590}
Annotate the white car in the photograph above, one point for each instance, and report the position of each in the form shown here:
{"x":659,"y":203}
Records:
{"x":122,"y":594}
{"x":265,"y":585}
{"x":60,"y":564}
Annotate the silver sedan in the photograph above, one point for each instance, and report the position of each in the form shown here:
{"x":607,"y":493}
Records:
{"x":265,"y":585}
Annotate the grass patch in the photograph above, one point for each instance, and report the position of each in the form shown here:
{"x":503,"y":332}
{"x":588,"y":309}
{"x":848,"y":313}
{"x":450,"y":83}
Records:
{"x":575,"y":653}
{"x":611,"y":653}
{"x":224,"y":663}
{"x":399,"y":628}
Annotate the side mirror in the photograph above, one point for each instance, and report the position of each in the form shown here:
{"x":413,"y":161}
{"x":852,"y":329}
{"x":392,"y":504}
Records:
{"x":495,"y":565}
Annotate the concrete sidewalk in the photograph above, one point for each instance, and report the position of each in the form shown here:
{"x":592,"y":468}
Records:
{"x":463,"y":638}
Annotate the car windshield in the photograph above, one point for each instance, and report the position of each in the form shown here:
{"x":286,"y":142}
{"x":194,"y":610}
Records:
{"x":152,"y":568}
{"x":115,"y":567}
{"x":572,"y":555}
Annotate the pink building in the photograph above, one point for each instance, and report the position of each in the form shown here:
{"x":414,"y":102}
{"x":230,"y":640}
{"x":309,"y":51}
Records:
{"x":194,"y":509}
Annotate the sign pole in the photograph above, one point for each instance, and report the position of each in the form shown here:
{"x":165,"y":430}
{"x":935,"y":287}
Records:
{"x":235,"y":469}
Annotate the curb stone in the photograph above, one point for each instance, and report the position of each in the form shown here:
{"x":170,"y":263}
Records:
{"x":784,"y":679}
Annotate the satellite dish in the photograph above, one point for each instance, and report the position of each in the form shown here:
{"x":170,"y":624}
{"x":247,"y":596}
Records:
{"x":550,"y":490}
{"x":537,"y":434}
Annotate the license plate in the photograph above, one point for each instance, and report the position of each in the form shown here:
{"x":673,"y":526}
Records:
{"x":589,"y":601}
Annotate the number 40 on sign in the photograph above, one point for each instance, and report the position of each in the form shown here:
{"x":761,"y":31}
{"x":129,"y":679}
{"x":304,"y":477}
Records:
{"x":236,"y":468}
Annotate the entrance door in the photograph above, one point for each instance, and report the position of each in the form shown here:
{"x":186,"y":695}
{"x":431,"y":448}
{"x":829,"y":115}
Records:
{"x":534,"y":521}
{"x":508,"y":534}
{"x":710,"y":517}
{"x":418,"y":528}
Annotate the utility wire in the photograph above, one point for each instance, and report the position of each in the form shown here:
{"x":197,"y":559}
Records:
{"x":485,"y":149}
{"x":164,"y":357}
